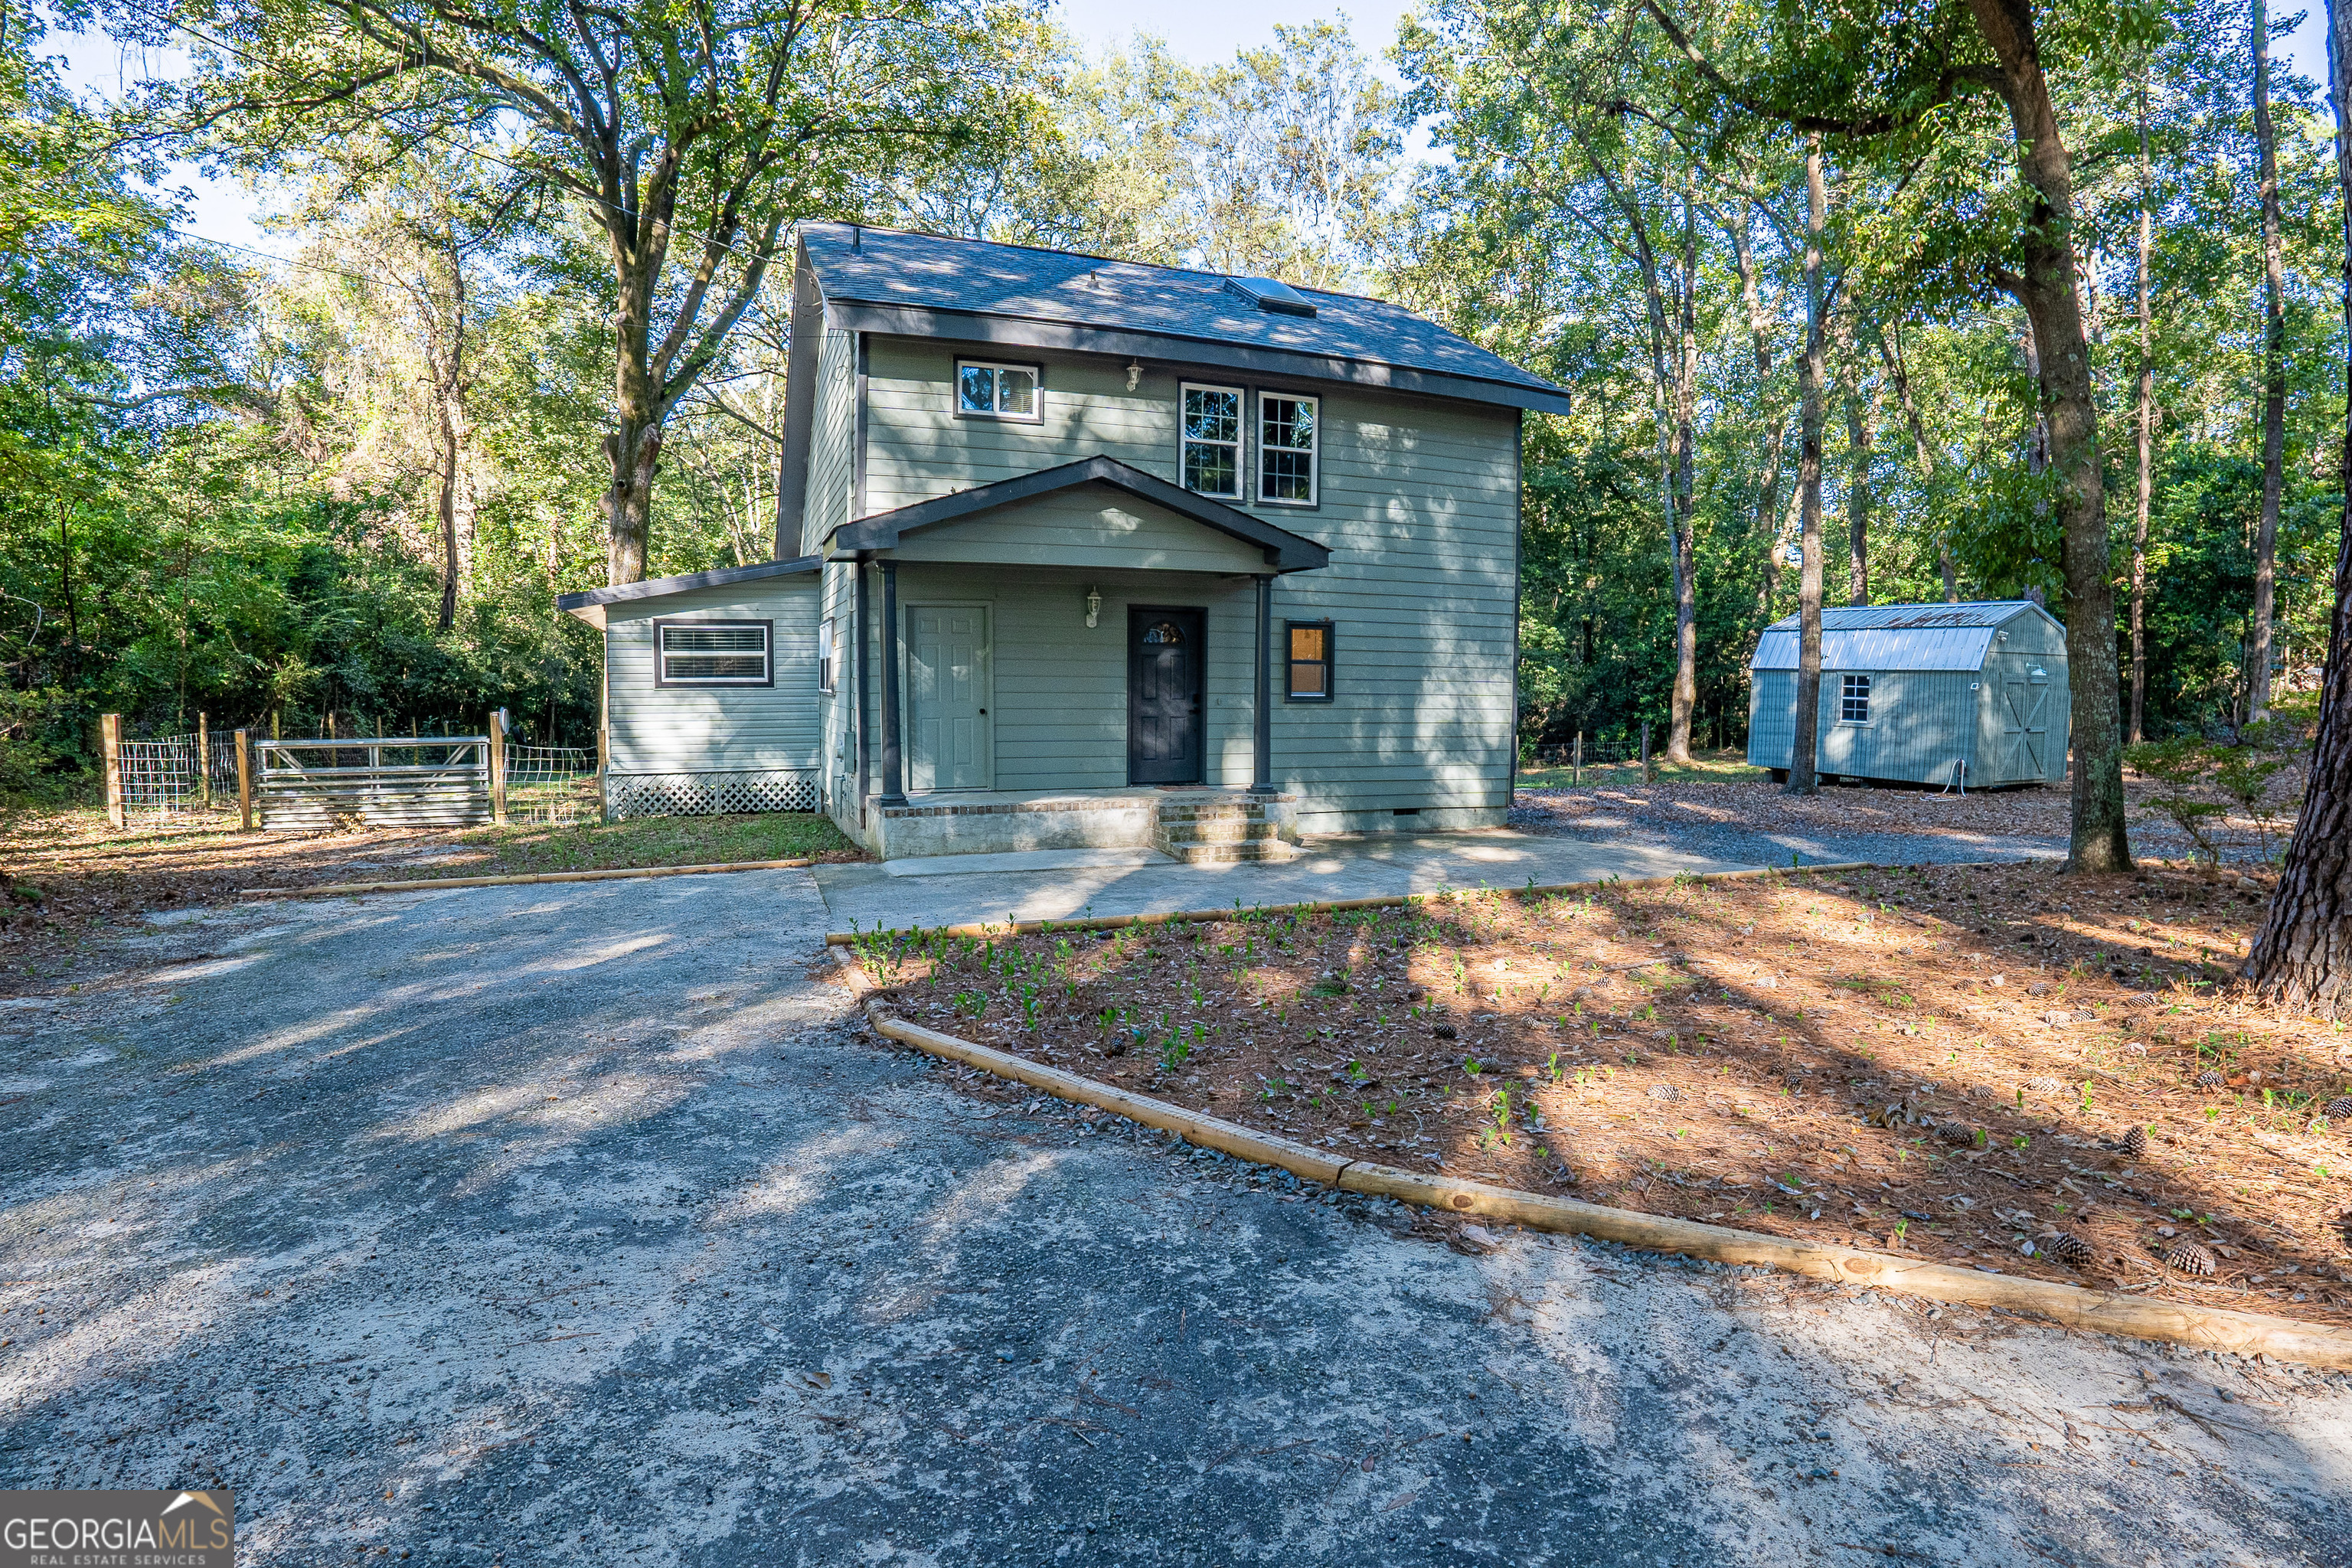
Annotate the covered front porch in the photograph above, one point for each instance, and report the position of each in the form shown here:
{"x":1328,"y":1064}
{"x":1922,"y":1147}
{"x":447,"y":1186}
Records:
{"x":1080,"y":666}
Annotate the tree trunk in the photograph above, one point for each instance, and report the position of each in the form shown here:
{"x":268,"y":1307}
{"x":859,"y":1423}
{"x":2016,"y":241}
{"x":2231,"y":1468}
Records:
{"x":633,"y":452}
{"x":2302,"y":954}
{"x":2258,"y":678}
{"x":1891,"y":354}
{"x":1805,"y":738}
{"x":1685,"y":694}
{"x":2146,"y":439}
{"x":1858,"y":452}
{"x":1768,"y":490}
{"x":2048,"y":289}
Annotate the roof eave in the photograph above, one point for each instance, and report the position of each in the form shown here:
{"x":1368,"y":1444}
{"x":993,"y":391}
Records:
{"x":590,"y":604}
{"x":1041,"y":332}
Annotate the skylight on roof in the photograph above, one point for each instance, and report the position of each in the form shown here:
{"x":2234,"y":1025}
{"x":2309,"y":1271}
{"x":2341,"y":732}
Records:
{"x":1271,"y":294}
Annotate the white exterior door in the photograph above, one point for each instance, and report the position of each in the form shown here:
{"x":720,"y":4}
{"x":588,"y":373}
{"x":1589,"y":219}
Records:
{"x":949,"y":743}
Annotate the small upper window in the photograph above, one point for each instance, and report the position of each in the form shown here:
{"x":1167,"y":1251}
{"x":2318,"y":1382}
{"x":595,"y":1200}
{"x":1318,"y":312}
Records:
{"x":824,"y":655}
{"x":997,"y":391}
{"x":1286,"y":438}
{"x":713,"y":653}
{"x":1213,"y":440}
{"x":1854,"y":701}
{"x":1310,"y":661}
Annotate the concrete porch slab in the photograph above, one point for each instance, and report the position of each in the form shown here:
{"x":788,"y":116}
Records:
{"x":1022,"y":861}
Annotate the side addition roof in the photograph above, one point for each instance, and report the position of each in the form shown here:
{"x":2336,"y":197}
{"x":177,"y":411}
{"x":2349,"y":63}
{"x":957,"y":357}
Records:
{"x":589,"y":606}
{"x":1899,"y":636}
{"x":1285,"y":551}
{"x":920,"y":285}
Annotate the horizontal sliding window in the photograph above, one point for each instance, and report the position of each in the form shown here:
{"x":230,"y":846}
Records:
{"x":713,"y":653}
{"x":994,"y":391}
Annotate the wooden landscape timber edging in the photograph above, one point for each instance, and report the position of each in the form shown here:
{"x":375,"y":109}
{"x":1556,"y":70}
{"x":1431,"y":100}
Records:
{"x":2070,"y":1306}
{"x":521,"y":879}
{"x":1385,"y":901}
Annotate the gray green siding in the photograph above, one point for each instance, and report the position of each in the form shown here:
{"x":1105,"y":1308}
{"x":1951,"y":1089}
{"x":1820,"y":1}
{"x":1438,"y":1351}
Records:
{"x":668,"y":730}
{"x":1418,"y":503}
{"x":831,"y":463}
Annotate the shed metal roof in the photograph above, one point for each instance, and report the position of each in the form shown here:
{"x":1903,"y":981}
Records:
{"x":1898,"y":636}
{"x":892,"y":281}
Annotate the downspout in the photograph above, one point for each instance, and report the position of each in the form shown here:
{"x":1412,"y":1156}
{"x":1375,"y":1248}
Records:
{"x":865,"y":630}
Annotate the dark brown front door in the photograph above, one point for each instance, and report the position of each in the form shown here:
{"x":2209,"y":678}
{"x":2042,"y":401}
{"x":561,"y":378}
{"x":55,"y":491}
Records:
{"x":1164,"y":668}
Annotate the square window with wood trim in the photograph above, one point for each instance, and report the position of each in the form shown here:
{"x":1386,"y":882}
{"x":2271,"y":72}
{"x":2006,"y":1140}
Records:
{"x":713,"y":653}
{"x":986,"y":389}
{"x":1287,"y":435}
{"x":1212,"y":458}
{"x":1854,"y":700}
{"x":1309,"y":662}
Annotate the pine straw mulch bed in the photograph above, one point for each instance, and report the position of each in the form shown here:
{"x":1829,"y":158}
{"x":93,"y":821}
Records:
{"x":1936,"y":1061}
{"x":69,"y":880}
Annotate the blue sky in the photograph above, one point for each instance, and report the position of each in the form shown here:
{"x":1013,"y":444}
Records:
{"x":1197,"y":30}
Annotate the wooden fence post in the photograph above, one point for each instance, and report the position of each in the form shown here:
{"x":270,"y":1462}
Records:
{"x":1649,"y":775}
{"x":203,"y":762}
{"x":245,"y":781}
{"x":110,"y":741}
{"x":498,"y":765}
{"x":1577,"y":769}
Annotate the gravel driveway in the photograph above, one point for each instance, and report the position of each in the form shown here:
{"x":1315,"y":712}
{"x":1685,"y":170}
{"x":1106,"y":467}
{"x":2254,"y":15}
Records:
{"x":536,"y":1225}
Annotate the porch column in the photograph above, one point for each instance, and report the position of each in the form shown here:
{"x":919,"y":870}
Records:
{"x":1261,"y":742}
{"x":893,"y":789}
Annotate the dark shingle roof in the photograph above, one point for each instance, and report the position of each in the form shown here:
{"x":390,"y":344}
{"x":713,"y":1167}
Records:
{"x":1069,"y":299}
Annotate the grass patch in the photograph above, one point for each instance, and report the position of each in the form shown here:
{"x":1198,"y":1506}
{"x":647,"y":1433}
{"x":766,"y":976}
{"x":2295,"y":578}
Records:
{"x":520,"y":848}
{"x":1706,"y":767}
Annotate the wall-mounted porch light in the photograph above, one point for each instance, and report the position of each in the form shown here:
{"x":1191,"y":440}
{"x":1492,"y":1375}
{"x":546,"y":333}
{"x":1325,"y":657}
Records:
{"x":1094,"y":605}
{"x":1134,"y":372}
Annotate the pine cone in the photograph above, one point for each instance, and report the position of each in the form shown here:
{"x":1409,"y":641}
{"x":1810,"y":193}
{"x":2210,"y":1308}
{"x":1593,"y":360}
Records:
{"x":2135,"y":1142}
{"x":2044,"y":1085}
{"x":2211,"y":1079}
{"x":1957,"y":1135}
{"x":2340,"y":1109}
{"x":2188,"y":1257}
{"x":1443,"y":1031}
{"x":2065,"y":1247}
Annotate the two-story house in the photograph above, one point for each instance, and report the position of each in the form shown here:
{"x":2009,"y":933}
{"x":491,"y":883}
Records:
{"x":1077,"y":552}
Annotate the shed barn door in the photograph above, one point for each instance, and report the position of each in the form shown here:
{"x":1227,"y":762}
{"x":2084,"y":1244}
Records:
{"x":2027,"y":729}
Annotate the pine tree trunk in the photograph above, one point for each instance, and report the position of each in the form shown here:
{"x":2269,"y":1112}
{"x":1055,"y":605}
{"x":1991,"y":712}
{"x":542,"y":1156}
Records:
{"x":2258,"y":677}
{"x":2302,"y":954}
{"x":2147,"y":437}
{"x":1802,"y":742}
{"x":2047,"y":287}
{"x":1686,"y":693}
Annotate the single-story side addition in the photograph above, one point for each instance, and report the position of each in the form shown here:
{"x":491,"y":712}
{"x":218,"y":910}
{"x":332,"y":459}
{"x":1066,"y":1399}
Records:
{"x":1082,"y":553}
{"x":1972,"y":694}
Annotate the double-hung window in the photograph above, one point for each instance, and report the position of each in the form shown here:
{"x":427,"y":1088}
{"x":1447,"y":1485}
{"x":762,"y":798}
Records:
{"x":988,"y":390}
{"x":1854,"y":700}
{"x":824,"y":655}
{"x":713,"y":653}
{"x":1310,"y":661}
{"x":1287,"y":436}
{"x":1213,"y":441}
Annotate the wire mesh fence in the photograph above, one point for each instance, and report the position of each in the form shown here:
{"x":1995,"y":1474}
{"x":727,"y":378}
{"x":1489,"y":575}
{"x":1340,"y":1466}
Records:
{"x":551,"y":785}
{"x":173,"y":779}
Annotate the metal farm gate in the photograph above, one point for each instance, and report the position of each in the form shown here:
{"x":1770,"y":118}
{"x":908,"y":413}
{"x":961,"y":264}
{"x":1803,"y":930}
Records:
{"x":417,"y":781}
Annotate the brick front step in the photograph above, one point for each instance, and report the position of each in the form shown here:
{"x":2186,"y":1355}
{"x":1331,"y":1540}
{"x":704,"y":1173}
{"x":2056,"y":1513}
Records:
{"x":1228,"y":854}
{"x":1218,"y":832}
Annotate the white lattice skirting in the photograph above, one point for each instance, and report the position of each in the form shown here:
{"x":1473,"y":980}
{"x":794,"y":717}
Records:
{"x":704,"y":794}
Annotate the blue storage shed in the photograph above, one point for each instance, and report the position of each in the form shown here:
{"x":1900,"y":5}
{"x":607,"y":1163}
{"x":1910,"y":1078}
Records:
{"x":1921,"y":694}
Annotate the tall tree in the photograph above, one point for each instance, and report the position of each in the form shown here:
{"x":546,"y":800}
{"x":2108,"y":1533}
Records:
{"x":2302,"y":954}
{"x":1812,"y":371}
{"x":2144,"y":430}
{"x":688,"y":133}
{"x":2258,"y":655}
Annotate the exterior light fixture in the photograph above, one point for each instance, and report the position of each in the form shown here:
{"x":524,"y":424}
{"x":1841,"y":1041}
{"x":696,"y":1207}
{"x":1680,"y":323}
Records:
{"x":1134,"y":375}
{"x":1093,"y":605}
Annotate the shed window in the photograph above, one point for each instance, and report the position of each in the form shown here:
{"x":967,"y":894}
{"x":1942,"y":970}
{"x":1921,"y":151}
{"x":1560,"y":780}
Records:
{"x":993,"y":391}
{"x":713,"y":653}
{"x":1853,"y":702}
{"x":1287,"y":440}
{"x":1310,"y":661}
{"x":1213,"y":440}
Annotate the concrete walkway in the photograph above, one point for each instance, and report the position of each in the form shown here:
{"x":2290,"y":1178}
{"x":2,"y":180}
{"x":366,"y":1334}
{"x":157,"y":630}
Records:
{"x":565,"y":1226}
{"x":1331,"y":868}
